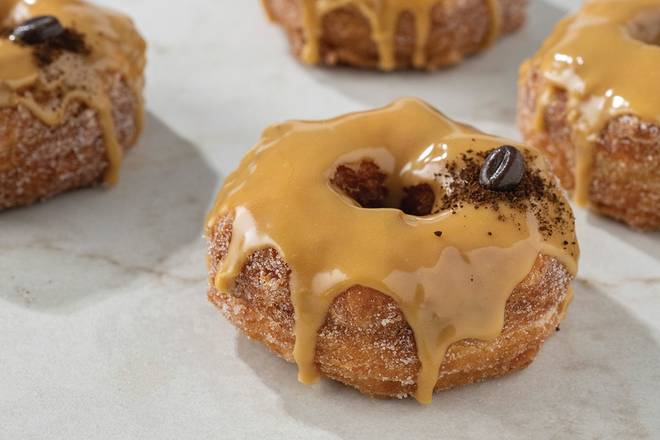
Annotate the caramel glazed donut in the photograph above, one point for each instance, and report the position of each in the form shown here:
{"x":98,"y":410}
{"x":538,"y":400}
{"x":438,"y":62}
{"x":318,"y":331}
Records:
{"x":590,"y":99}
{"x":395,"y":250}
{"x":390,"y":34}
{"x":71,"y":79}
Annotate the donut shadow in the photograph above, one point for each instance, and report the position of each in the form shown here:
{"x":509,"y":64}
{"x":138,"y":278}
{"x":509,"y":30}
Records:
{"x":646,"y":242}
{"x":89,"y":244}
{"x":591,"y":380}
{"x":455,"y":90}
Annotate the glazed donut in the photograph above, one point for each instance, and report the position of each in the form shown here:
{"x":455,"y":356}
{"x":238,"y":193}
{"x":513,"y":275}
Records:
{"x":71,"y":79}
{"x":391,"y":34}
{"x":394,"y":250}
{"x":590,"y":99}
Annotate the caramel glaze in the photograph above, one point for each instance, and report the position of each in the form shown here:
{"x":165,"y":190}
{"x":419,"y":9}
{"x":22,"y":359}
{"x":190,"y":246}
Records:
{"x":607,"y":58}
{"x":449,"y":288}
{"x":383,"y":16}
{"x":115,"y":46}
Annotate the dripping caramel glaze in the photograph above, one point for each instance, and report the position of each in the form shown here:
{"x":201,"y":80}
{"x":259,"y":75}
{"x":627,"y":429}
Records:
{"x":449,"y":288}
{"x":115,"y":46}
{"x":607,"y":58}
{"x":383,"y":17}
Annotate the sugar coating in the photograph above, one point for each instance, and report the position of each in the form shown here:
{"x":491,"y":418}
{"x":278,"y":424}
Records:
{"x":37,"y":160}
{"x":459,"y":28}
{"x":366,"y":342}
{"x":625,"y":177}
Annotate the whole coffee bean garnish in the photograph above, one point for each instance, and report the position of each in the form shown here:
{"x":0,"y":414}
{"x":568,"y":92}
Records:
{"x":37,"y":30}
{"x":503,"y":169}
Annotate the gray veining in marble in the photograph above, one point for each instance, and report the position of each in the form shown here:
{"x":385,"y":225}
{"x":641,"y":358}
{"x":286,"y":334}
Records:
{"x":104,"y":325}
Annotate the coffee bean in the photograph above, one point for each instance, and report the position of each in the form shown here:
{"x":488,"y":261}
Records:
{"x":37,"y":30}
{"x":503,"y":169}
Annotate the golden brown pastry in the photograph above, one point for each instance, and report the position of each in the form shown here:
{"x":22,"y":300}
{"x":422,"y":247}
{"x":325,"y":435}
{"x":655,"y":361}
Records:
{"x":71,"y":79}
{"x":391,"y":34}
{"x":394,"y":250}
{"x":590,"y":99}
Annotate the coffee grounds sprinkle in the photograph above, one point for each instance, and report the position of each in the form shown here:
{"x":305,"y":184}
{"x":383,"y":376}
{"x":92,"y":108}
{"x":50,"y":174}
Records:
{"x":534,"y":194}
{"x":45,"y":53}
{"x":69,"y":41}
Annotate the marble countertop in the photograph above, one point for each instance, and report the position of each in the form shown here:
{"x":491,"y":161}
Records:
{"x":104,"y":325}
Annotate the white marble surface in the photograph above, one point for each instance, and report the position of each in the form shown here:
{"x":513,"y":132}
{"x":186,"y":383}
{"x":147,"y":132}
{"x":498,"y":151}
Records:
{"x":105,"y":332}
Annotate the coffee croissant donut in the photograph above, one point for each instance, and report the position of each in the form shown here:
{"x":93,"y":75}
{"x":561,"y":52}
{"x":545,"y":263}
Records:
{"x":598,"y":120}
{"x":390,"y":34}
{"x":395,"y":250}
{"x":71,"y":79}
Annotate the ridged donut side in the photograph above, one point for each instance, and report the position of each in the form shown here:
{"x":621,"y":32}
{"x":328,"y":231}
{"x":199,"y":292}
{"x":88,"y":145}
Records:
{"x":625,"y":176}
{"x":459,"y":29}
{"x":366,"y":342}
{"x":39,"y":161}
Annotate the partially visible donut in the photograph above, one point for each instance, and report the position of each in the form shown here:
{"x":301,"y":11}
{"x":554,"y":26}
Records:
{"x":394,"y":250}
{"x":595,"y":118}
{"x":71,"y":79}
{"x":399,"y":34}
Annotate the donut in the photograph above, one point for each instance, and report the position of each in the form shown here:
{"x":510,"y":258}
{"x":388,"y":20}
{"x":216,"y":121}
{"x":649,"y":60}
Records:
{"x":590,"y":100}
{"x":393,"y":34}
{"x":394,"y":250}
{"x":71,"y":80}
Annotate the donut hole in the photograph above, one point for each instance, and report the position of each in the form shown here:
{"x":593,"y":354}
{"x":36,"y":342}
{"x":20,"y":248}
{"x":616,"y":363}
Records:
{"x":418,"y":200}
{"x":366,"y":184}
{"x":645,"y":27}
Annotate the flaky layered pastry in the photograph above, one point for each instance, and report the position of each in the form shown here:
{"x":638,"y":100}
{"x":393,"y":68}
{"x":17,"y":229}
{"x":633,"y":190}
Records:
{"x":368,"y":249}
{"x":590,"y":98}
{"x":394,"y":34}
{"x":70,"y":97}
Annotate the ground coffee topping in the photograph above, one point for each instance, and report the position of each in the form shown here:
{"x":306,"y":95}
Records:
{"x":66,"y":52}
{"x":534,"y":193}
{"x":48,"y":40}
{"x":68,"y":41}
{"x":432,"y":266}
